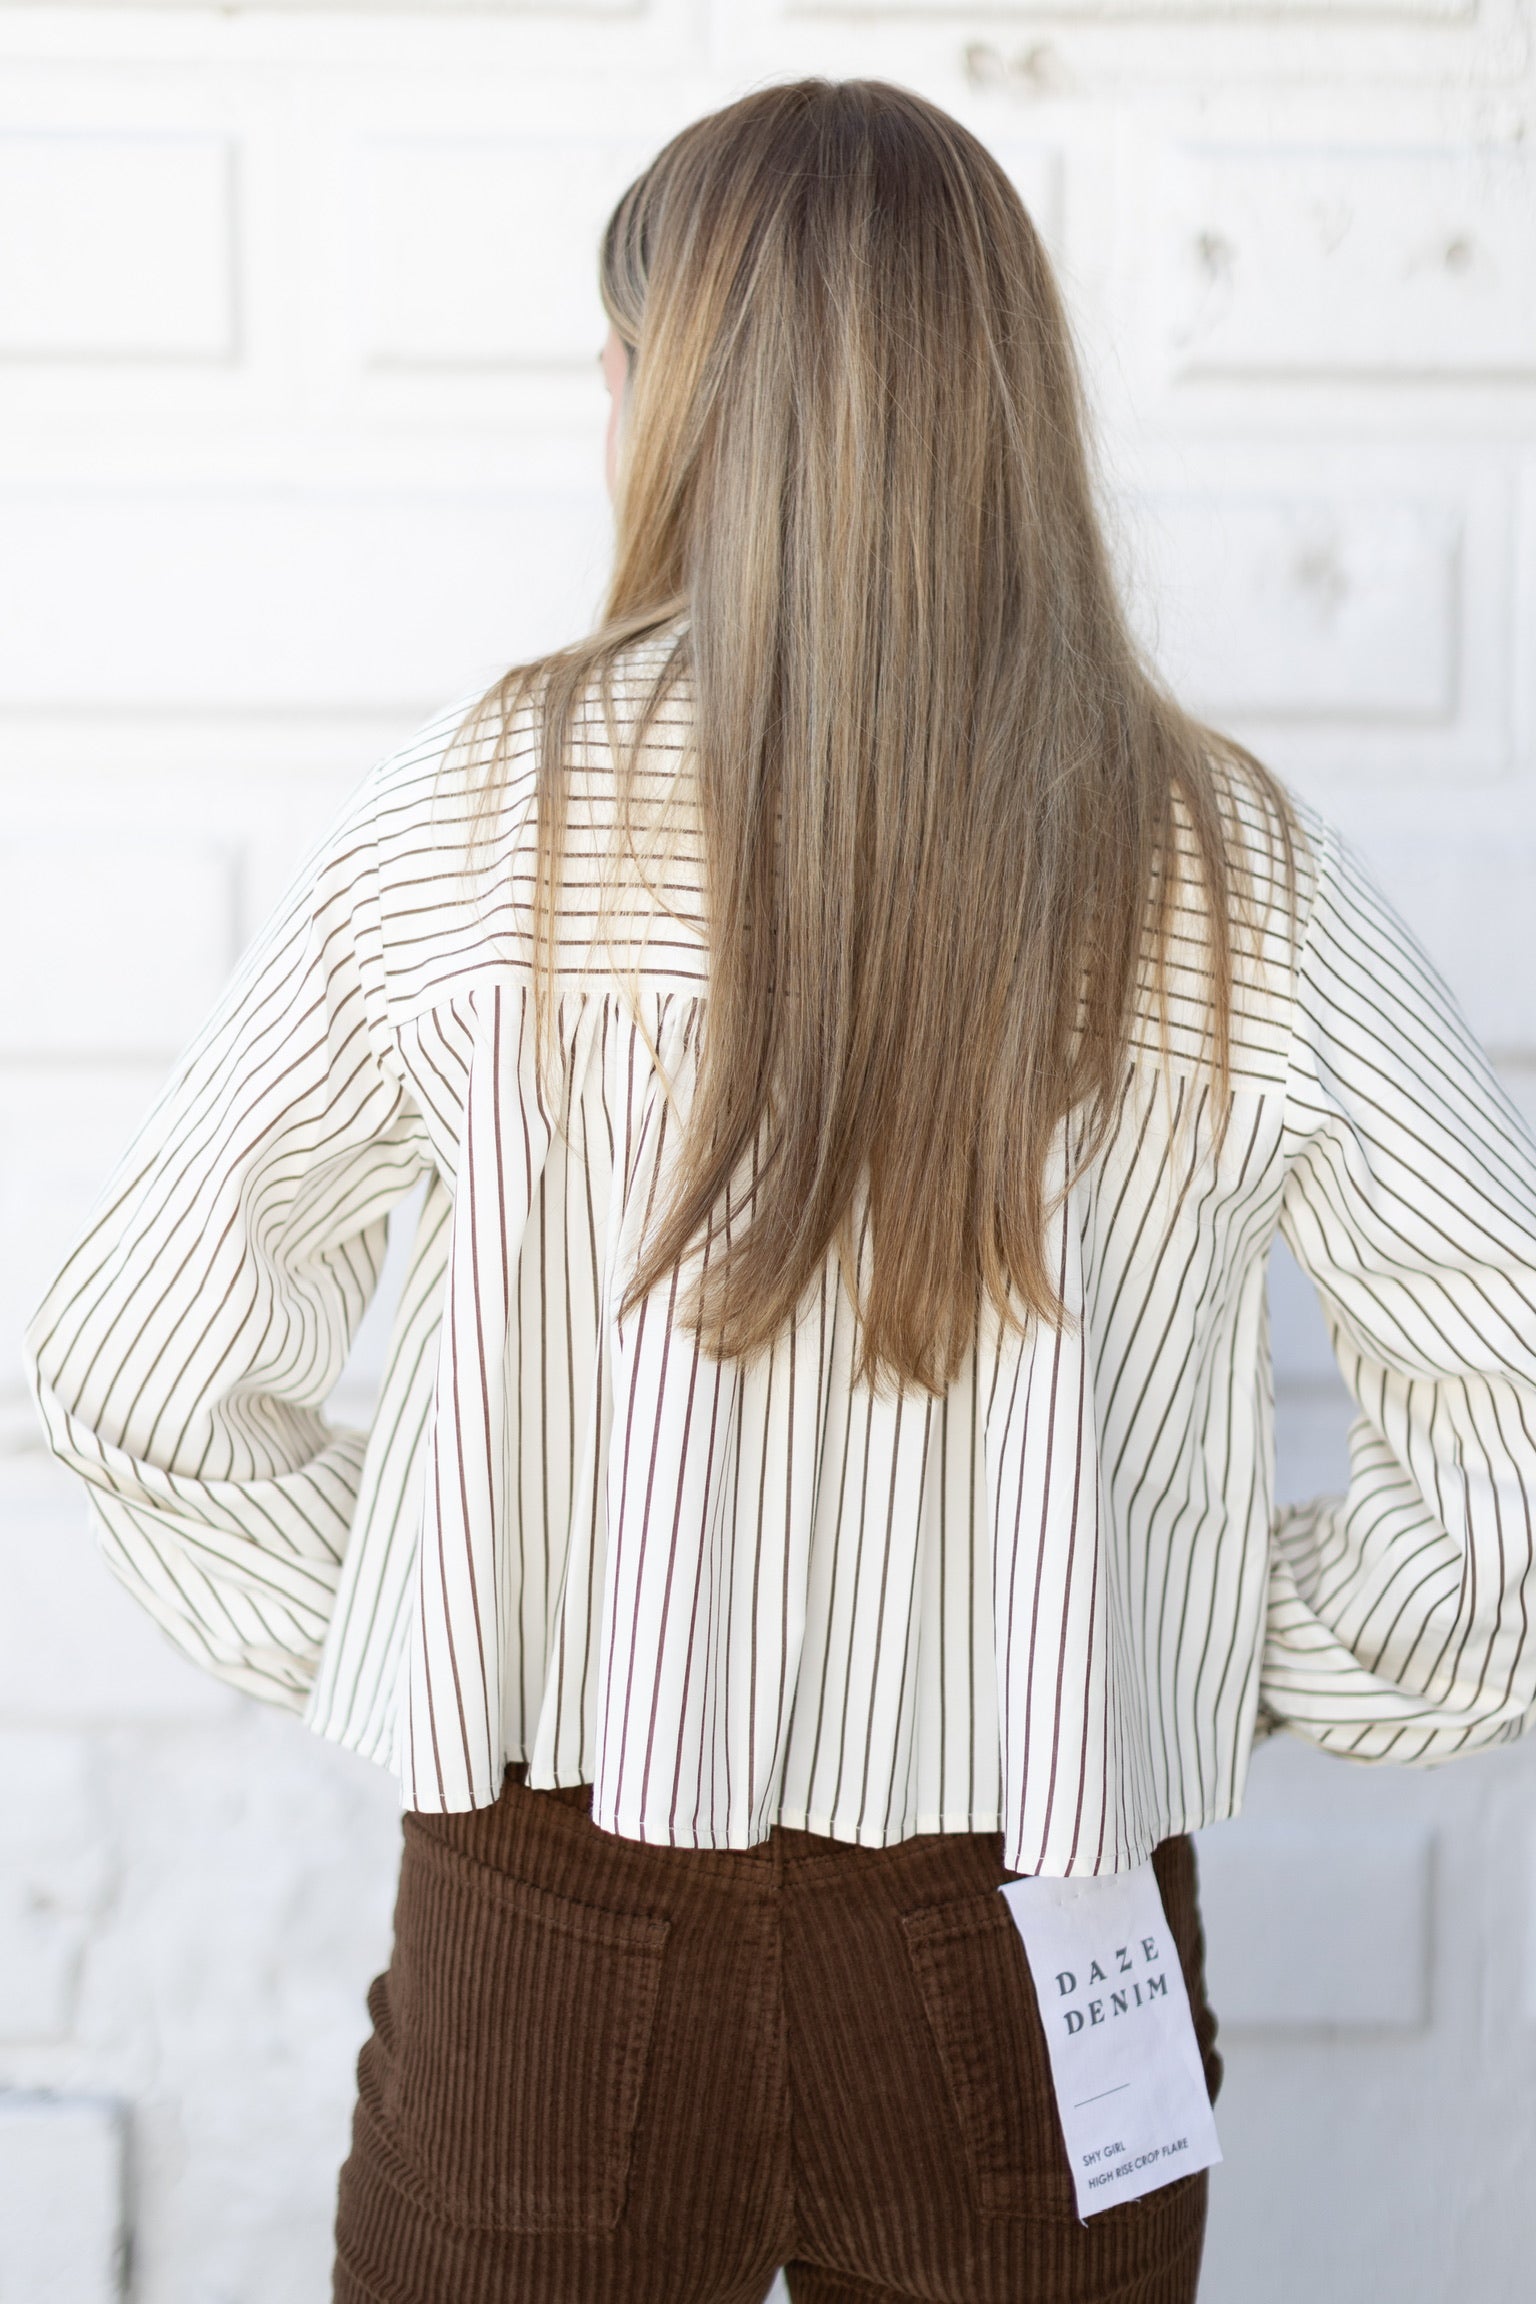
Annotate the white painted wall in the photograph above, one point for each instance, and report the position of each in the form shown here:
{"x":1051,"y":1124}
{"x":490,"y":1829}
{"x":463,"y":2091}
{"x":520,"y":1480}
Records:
{"x":299,"y":436}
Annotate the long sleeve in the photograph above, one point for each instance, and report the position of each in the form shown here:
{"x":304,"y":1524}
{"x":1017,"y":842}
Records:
{"x":1399,"y":1622}
{"x":182,"y":1360}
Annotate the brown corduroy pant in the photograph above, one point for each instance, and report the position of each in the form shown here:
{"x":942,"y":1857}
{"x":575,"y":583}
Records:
{"x":608,"y":2073}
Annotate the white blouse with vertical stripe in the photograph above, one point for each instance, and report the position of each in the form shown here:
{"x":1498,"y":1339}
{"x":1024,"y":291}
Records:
{"x":1056,"y":1602}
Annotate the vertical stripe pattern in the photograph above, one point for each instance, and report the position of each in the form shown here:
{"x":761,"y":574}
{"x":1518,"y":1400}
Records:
{"x":1056,"y":1601}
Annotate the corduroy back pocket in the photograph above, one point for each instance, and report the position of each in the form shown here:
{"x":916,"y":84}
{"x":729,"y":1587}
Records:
{"x":511,"y":2040}
{"x":980,"y":2004}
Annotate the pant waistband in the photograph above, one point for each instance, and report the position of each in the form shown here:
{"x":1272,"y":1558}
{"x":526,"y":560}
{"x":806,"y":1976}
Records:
{"x":562,"y":1813}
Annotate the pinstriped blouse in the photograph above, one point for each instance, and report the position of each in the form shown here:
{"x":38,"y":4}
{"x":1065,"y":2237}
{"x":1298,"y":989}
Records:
{"x":1056,"y":1601}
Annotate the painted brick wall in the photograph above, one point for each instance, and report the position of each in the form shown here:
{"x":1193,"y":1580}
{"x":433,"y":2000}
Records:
{"x":299,"y":437}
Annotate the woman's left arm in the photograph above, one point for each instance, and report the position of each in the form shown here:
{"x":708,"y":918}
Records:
{"x":1400,"y":1614}
{"x":182,"y":1359}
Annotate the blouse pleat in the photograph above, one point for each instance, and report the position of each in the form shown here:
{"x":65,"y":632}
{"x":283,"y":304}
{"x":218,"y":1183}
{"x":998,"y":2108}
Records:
{"x":1056,"y":1601}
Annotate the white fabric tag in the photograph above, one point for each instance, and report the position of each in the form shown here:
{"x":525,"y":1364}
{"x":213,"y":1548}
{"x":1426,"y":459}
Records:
{"x":1129,"y":2085}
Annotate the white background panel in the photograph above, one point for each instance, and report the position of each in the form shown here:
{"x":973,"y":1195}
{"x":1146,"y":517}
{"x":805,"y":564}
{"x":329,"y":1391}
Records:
{"x":1070,"y":49}
{"x":52,"y":1877}
{"x":74,"y":1648}
{"x":1319,"y":1927}
{"x":1214,"y":11}
{"x":1522,"y":608}
{"x":61,"y":2200}
{"x":117,"y":246}
{"x":481,"y":252}
{"x":293,"y":599}
{"x":1318,"y":260}
{"x":1344,"y":608}
{"x":1036,"y":170}
{"x":1292,"y":608}
{"x":428,"y":8}
{"x":109,"y":947}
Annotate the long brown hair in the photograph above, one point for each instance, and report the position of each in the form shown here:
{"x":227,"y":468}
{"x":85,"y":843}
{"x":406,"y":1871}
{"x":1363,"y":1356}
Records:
{"x":937,"y":783}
